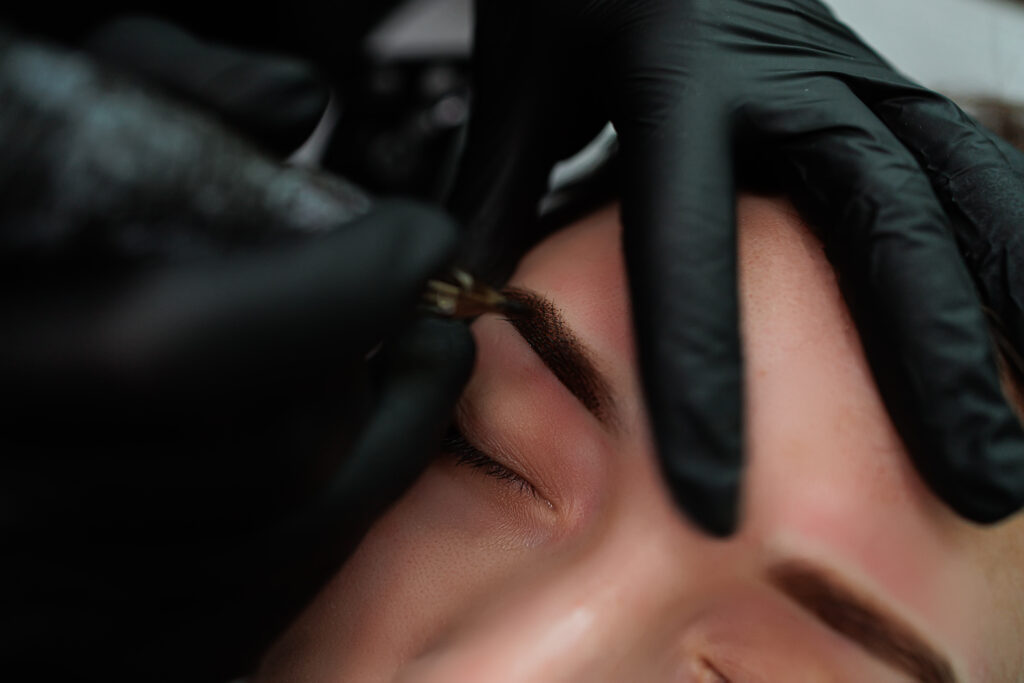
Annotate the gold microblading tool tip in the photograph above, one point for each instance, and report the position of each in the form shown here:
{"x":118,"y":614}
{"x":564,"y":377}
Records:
{"x":460,"y":295}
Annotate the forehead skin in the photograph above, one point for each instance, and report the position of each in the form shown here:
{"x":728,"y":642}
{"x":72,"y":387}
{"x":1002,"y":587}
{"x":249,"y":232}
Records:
{"x":827,"y":478}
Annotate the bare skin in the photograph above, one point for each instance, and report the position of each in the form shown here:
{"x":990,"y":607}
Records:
{"x":588,"y":572}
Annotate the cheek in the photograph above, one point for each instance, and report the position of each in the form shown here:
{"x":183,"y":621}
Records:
{"x":420,"y":569}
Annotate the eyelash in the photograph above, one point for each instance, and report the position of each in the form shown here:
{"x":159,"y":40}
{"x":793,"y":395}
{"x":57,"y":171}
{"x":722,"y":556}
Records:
{"x":454,"y":443}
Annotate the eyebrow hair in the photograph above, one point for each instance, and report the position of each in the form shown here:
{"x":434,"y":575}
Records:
{"x":853,"y":616}
{"x":542,"y":326}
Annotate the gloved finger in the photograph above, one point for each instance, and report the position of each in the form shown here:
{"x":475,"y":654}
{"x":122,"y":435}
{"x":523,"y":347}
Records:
{"x":678,"y":213}
{"x":262,"y":319}
{"x":920,"y":318}
{"x":180,"y":187}
{"x":980,"y":179}
{"x":275,"y":100}
{"x":423,"y":372}
{"x":501,"y":178}
{"x":513,"y":139}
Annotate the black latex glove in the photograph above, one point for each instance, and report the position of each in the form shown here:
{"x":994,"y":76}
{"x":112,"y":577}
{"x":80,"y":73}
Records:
{"x":691,"y":86}
{"x":274,"y":99}
{"x":192,"y":440}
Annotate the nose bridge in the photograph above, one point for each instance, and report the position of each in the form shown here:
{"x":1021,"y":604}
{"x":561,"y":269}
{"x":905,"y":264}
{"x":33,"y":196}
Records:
{"x":625,"y":599}
{"x":613,"y":607}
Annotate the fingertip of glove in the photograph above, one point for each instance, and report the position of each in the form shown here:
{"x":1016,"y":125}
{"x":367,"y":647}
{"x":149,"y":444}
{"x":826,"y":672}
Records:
{"x":982,"y":479}
{"x":703,"y":468}
{"x":986,"y":515}
{"x":988,"y":507}
{"x":716,"y":516}
{"x":710,"y":502}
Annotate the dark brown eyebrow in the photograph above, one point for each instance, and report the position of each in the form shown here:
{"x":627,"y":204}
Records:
{"x":854,"y":616}
{"x":544,"y":329}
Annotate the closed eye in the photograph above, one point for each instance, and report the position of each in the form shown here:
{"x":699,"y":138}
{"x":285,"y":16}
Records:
{"x":465,"y":453}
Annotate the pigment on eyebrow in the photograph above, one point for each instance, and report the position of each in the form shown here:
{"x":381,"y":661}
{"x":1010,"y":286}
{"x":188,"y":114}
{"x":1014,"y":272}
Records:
{"x":543,"y":328}
{"x":852,"y":616}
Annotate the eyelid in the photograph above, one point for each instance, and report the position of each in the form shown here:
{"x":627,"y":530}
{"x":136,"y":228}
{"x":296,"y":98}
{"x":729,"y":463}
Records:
{"x":467,"y":453}
{"x":491,"y":435}
{"x":518,"y":413}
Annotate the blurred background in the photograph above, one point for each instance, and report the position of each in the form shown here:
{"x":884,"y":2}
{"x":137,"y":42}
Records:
{"x":970,"y":50}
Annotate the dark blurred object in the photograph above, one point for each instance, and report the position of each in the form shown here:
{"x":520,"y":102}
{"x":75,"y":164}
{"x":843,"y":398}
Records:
{"x":401,"y":128}
{"x":276,"y":100}
{"x":404,"y":115}
{"x":402,"y":93}
{"x":328,"y":34}
{"x":192,"y":440}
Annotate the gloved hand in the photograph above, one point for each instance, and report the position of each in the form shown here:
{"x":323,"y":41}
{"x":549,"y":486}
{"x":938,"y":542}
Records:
{"x":273,"y":99}
{"x":192,"y":439}
{"x":693,"y":85}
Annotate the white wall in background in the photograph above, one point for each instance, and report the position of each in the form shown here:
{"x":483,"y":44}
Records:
{"x":958,"y":47}
{"x":424,"y":27}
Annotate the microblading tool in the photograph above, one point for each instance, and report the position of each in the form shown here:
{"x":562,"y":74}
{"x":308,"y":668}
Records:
{"x":459,"y":295}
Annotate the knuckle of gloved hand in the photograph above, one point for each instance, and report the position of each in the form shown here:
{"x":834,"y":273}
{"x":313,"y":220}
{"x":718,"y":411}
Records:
{"x":916,"y":110}
{"x":946,"y":141}
{"x":895,"y":182}
{"x":893,"y":201}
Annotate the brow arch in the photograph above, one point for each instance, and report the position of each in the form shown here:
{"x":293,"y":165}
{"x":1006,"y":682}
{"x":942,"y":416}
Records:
{"x":856,"y":617}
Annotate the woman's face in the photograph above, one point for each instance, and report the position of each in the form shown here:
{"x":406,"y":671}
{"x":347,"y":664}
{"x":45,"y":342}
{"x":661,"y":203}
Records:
{"x":564,"y":559}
